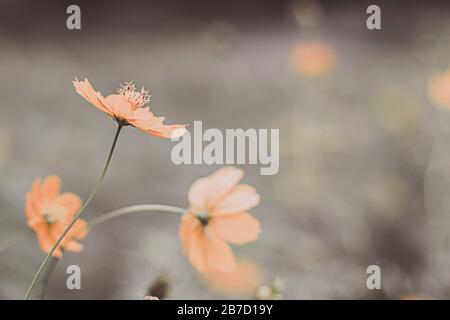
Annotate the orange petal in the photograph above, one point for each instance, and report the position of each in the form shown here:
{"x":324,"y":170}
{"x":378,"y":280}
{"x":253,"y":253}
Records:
{"x":144,"y":119}
{"x":206,"y":192}
{"x":186,"y":227}
{"x":36,"y":194}
{"x":119,"y":105}
{"x":191,"y":233}
{"x":73,"y":246}
{"x":218,"y":254}
{"x":32,"y":215}
{"x":46,"y":240}
{"x":79,"y":229}
{"x":197,"y":194}
{"x":170,"y":132}
{"x":242,"y":198}
{"x":85,"y":89}
{"x":51,"y":187}
{"x":238,"y":228}
{"x":221,"y":182}
{"x":70,"y":201}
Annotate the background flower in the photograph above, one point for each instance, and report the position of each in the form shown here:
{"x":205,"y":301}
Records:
{"x":313,"y":58}
{"x":49,"y":213}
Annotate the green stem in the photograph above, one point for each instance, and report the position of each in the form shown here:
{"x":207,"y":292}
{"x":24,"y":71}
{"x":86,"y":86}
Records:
{"x":132,"y":209}
{"x":48,"y":273}
{"x":85,"y":204}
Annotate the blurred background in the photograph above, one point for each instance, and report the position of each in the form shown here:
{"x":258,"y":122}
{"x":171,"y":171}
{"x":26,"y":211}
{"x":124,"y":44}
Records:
{"x":364,"y":131}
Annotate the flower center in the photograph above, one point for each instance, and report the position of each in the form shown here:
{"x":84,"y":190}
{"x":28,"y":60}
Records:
{"x":204,"y":217}
{"x":54,"y":214}
{"x":136,"y":98}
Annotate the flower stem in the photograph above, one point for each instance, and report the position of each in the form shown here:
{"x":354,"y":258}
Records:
{"x":132,"y":209}
{"x":85,"y":204}
{"x":46,"y":278}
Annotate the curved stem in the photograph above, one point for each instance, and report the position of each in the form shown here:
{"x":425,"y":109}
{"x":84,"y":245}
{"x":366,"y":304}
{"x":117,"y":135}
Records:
{"x":132,"y":209}
{"x":85,"y":204}
{"x":46,"y":278}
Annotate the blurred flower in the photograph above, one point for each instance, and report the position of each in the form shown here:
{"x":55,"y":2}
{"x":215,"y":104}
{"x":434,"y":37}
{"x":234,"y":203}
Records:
{"x":217,"y":214}
{"x":150,"y":298}
{"x":308,"y":13}
{"x":49,"y":213}
{"x":159,"y":287}
{"x":127,"y":107}
{"x":388,"y":195}
{"x":313,"y":58}
{"x":243,"y":280}
{"x":439,"y":89}
{"x":274,"y":291}
{"x":397,"y":111}
{"x":413,"y":296}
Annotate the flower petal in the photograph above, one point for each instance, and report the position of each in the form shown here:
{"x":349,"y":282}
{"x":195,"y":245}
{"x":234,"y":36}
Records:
{"x":206,"y":192}
{"x":191,"y":234}
{"x":73,"y":246}
{"x":78,"y":231}
{"x":36,"y":194}
{"x":33,"y":216}
{"x":69,"y":201}
{"x":197,"y":194}
{"x":170,"y":132}
{"x":46,"y":240}
{"x":119,"y":105}
{"x":218,"y":254}
{"x":144,"y":119}
{"x":51,"y":187}
{"x":221,"y":182}
{"x":87,"y":91}
{"x":238,"y":228}
{"x":242,"y":198}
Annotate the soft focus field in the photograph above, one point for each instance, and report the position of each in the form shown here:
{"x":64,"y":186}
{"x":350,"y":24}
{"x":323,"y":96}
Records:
{"x":364,"y":176}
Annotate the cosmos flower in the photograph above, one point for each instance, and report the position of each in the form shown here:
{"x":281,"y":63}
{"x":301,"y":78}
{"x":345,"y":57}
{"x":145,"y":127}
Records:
{"x":439,"y":89}
{"x":217,"y":215}
{"x":128,"y":107}
{"x":49,"y":213}
{"x":313,"y":58}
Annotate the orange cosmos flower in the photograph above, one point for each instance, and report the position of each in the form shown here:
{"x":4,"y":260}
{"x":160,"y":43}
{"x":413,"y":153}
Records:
{"x":439,"y":89}
{"x":49,"y":213}
{"x":313,"y":58}
{"x":127,"y":107}
{"x":217,"y":214}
